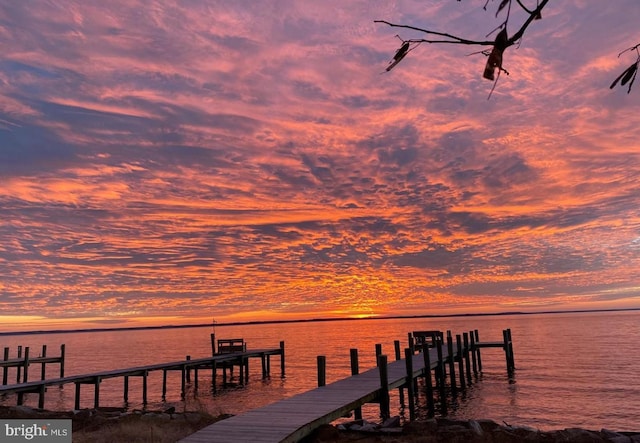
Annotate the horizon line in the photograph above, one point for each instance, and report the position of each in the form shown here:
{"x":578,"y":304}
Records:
{"x":264,"y":322}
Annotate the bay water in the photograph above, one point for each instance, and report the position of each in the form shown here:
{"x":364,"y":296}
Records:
{"x":572,"y":369}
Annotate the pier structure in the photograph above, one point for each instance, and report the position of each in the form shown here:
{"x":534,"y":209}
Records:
{"x":189,"y":374}
{"x":429,"y":355}
{"x":23,"y":360}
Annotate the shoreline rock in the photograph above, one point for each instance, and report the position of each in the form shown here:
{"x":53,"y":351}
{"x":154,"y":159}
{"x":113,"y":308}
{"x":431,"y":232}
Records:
{"x":437,"y":430}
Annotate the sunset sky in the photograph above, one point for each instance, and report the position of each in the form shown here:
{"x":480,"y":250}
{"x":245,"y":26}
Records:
{"x":178,"y":161}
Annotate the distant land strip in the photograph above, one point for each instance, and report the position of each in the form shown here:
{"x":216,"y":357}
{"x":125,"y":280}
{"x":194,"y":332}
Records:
{"x":266,"y":322}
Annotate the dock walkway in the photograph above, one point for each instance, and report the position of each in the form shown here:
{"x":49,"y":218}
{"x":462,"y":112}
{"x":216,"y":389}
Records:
{"x":185,"y":366}
{"x":293,"y":418}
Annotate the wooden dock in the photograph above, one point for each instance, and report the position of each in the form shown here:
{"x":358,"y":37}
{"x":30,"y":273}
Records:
{"x":23,"y":360}
{"x":222,"y":361}
{"x":294,"y":418}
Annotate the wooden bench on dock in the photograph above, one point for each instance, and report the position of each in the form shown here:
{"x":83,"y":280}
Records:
{"x":429,"y":339}
{"x":230,"y":345}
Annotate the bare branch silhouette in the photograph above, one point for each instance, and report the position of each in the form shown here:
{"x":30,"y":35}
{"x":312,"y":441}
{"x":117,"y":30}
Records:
{"x":501,"y":42}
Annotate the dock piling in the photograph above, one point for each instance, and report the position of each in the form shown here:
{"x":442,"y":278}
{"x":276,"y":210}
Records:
{"x":463,"y":385}
{"x":355,"y":369}
{"x":43,"y":369}
{"x":408,"y":355}
{"x":282,"y":359}
{"x":25,"y":374}
{"x":475,"y":332}
{"x":5,"y":369}
{"x":473,"y":352}
{"x":427,"y":381}
{"x":322,"y":370}
{"x":452,"y":365}
{"x":385,"y":409}
{"x":465,"y":352}
{"x":96,"y":393}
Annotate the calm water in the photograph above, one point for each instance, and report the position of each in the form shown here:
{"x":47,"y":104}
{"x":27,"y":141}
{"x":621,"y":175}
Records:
{"x":573,"y":370}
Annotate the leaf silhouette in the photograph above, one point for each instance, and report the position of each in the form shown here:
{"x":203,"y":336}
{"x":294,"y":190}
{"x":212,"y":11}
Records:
{"x":627,"y":75}
{"x":630,"y":73}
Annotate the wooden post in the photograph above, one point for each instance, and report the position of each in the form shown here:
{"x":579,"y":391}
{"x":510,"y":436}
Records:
{"x":385,"y":410}
{"x":452,"y":365}
{"x":408,"y":355}
{"x":475,"y":332}
{"x":195,"y":381}
{"x":440,"y":366}
{"x":263,"y":360}
{"x":77,"y":402}
{"x":467,"y":361}
{"x":96,"y":393}
{"x":144,"y":387}
{"x":43,"y":368}
{"x":246,"y":370}
{"x":282,"y":359}
{"x":25,"y":376}
{"x":62,"y":357}
{"x":214,"y":373}
{"x":5,"y":370}
{"x":512,"y":358}
{"x":441,"y":380}
{"x":460,"y":361}
{"x":508,"y":349}
{"x":505,"y":347}
{"x":396,"y":345}
{"x":41,"y":392}
{"x":188,"y":369}
{"x":224,"y":374}
{"x":378,"y":350}
{"x":183,"y":382}
{"x":322,"y":370}
{"x":18,"y":368}
{"x":213,"y":343}
{"x":473,"y":353}
{"x":126,"y":387}
{"x":355,"y":369}
{"x":427,"y":380}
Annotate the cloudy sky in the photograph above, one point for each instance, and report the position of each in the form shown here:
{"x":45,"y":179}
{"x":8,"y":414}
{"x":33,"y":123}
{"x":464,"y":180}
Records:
{"x":177,"y":161}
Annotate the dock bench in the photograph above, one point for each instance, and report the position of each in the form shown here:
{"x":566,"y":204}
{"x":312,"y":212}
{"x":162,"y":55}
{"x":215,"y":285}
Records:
{"x":231,"y":345}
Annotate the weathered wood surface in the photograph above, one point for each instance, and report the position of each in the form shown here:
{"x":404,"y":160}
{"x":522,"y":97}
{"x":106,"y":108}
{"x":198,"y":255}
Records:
{"x":295,"y":417}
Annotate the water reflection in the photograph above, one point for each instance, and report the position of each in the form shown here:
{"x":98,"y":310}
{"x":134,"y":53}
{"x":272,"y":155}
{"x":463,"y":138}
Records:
{"x":572,"y":369}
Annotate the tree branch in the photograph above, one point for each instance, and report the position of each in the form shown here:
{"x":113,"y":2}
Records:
{"x":452,"y":38}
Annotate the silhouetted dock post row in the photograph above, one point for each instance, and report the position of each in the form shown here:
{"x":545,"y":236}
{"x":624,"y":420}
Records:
{"x":23,"y":360}
{"x":237,"y":355}
{"x":465,"y":352}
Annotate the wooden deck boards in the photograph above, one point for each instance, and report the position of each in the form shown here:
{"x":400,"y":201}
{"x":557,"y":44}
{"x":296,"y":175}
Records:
{"x":293,"y":418}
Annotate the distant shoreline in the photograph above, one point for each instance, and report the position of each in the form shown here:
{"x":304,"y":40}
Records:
{"x":266,"y":322}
